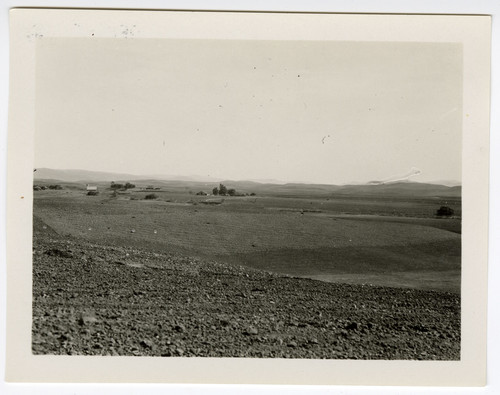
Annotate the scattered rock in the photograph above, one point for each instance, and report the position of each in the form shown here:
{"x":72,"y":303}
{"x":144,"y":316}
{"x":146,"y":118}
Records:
{"x":87,"y":319}
{"x":59,"y":253}
{"x":179,"y":351}
{"x":146,"y":343}
{"x":180,"y":328}
{"x":166,"y":312}
{"x":251,"y":331}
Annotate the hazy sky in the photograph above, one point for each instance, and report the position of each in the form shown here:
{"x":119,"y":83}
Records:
{"x":322,"y":112}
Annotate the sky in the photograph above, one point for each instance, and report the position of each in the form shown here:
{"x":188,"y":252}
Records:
{"x":295,"y":111}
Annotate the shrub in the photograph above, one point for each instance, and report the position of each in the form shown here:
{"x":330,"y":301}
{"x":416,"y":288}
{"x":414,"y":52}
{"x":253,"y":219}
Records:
{"x":150,"y":196}
{"x":444,"y":211}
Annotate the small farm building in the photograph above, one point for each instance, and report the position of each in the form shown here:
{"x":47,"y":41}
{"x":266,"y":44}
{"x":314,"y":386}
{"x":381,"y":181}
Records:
{"x":91,"y":189}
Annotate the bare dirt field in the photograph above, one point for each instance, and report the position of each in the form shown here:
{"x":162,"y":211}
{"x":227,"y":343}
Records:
{"x":121,"y":275}
{"x":395,"y":242}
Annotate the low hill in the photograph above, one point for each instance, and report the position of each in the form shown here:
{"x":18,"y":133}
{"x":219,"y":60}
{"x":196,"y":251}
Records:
{"x":74,"y":175}
{"x":398,"y":189}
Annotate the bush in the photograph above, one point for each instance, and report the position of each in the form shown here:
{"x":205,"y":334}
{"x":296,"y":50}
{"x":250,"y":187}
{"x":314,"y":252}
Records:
{"x":445,"y":211}
{"x":150,"y":196}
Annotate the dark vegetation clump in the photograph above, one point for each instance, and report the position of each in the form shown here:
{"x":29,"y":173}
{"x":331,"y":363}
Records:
{"x":55,"y":186}
{"x":444,"y":211}
{"x":115,"y":186}
{"x":151,"y":196}
{"x":222,"y":190}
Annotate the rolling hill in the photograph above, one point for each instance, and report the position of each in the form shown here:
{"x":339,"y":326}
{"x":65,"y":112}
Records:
{"x":400,"y":189}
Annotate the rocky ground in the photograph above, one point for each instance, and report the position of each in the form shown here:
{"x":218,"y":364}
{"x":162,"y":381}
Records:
{"x":93,"y":299}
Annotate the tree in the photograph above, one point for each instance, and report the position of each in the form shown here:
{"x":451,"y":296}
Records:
{"x":128,"y":185}
{"x":222,"y":190}
{"x":231,"y":192}
{"x":215,"y":191}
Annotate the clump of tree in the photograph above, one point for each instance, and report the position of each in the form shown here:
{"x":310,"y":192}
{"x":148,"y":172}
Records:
{"x":201,"y":193}
{"x":116,"y":186}
{"x":224,"y":191}
{"x":150,"y":196}
{"x":445,"y":211}
{"x":55,"y":186}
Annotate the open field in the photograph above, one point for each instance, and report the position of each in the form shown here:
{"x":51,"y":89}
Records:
{"x":116,"y":274}
{"x":394,"y":241}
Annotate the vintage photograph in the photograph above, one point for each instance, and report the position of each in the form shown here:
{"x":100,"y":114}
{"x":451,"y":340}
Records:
{"x":247,"y":198}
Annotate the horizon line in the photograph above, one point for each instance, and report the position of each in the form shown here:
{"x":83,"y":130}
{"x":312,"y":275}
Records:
{"x":164,"y":177}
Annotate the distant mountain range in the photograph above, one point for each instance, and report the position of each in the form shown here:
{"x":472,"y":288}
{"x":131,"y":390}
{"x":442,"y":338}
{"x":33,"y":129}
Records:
{"x":87,"y":176}
{"x":274,"y":187}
